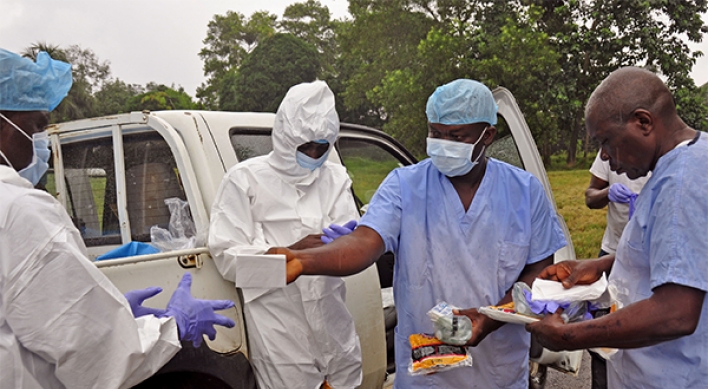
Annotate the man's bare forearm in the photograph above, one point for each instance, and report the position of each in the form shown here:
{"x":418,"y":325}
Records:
{"x":346,"y":255}
{"x":672,"y":312}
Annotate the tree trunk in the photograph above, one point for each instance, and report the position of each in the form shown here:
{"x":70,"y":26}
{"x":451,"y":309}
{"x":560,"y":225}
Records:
{"x":572,"y":147}
{"x":573,"y":141}
{"x":586,"y":146}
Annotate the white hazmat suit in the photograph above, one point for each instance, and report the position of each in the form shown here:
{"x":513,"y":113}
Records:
{"x":62,"y":323}
{"x":302,"y":334}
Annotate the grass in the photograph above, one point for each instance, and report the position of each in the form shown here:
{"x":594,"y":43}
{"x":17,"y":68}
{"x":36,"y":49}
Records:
{"x":367,"y":175}
{"x":586,"y":225}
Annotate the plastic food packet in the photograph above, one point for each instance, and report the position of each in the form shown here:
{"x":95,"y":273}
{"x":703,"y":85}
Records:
{"x":430,"y":355}
{"x":450,"y":328}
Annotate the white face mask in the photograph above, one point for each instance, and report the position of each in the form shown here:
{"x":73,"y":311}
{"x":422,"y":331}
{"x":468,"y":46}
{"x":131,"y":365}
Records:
{"x":452,"y":158}
{"x":39,"y":165}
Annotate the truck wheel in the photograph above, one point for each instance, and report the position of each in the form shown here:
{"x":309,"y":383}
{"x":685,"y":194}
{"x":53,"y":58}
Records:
{"x":537,"y":375}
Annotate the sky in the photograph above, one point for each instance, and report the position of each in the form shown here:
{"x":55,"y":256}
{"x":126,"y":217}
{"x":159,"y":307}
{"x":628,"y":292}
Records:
{"x":154,"y":40}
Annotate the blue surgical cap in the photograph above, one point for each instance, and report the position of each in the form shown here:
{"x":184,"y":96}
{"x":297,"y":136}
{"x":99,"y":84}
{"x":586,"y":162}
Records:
{"x":462,"y":102}
{"x":29,"y":86}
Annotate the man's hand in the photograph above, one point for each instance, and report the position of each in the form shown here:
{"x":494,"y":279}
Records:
{"x":293,"y":265}
{"x":572,"y":273}
{"x":308,"y":242}
{"x":548,"y":331}
{"x":619,"y":193}
{"x":481,"y":325}
{"x":335,"y":231}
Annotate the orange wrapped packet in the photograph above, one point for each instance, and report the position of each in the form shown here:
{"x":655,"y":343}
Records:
{"x":430,"y":355}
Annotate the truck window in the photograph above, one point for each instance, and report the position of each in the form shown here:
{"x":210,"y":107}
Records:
{"x":151,"y":176}
{"x":248,"y":143}
{"x":504,"y":147}
{"x":367,"y":164}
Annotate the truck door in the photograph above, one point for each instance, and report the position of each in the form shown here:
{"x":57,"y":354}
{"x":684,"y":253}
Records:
{"x":113,"y":176}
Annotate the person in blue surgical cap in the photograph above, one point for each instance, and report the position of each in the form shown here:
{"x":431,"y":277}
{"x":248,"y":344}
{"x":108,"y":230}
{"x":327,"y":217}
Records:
{"x":62,"y":323}
{"x":659,"y":273}
{"x":464,"y":229}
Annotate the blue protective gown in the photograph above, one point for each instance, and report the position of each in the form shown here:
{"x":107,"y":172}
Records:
{"x":468,"y":259}
{"x":665,"y":242}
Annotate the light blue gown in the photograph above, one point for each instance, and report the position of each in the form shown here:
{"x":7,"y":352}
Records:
{"x":468,"y":259}
{"x":665,"y":242}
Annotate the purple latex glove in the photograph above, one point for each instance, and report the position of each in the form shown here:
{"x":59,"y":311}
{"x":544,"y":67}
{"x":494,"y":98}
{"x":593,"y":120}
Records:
{"x":136,"y":297}
{"x":335,"y":231}
{"x":196,"y":318}
{"x":619,"y":193}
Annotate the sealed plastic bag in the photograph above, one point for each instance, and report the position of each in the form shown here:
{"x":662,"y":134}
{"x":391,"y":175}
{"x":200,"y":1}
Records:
{"x":182,"y":232}
{"x":430,"y":355}
{"x":450,"y":328}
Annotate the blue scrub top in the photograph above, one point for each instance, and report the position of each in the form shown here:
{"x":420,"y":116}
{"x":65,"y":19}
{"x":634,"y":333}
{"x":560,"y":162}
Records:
{"x":665,"y":242}
{"x":468,"y":259}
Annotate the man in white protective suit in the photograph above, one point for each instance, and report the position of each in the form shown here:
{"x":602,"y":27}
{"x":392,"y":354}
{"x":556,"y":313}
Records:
{"x":63,"y":324}
{"x":301,"y":336}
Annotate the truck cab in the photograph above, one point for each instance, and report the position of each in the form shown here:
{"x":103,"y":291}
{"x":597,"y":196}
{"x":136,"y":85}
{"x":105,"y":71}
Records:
{"x":114,"y":173}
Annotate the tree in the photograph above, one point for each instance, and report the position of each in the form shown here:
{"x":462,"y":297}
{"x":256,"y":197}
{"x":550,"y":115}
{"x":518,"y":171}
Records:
{"x":160,"y":97}
{"x":229,"y":39}
{"x":596,"y":37}
{"x":54,"y":51}
{"x":114,"y":95}
{"x":550,"y":54}
{"x":382,"y":38}
{"x":488,"y":41}
{"x":264,"y":77}
{"x":311,"y":22}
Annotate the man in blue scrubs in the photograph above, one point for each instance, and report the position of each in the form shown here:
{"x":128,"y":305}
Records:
{"x":660,"y":270}
{"x":464,"y":229}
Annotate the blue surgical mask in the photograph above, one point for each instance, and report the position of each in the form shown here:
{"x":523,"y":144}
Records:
{"x":452,"y":158}
{"x":310,"y":163}
{"x":40,"y":158}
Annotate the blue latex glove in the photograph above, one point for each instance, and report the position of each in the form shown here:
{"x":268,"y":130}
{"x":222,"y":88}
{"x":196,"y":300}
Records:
{"x":136,"y":297}
{"x":196,"y":318}
{"x":545,"y":307}
{"x":632,"y":199}
{"x":619,"y":193}
{"x":335,"y":231}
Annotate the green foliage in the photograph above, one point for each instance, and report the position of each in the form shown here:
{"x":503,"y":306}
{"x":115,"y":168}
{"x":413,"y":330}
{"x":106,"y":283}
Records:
{"x":261,"y":82}
{"x":382,"y":39}
{"x":549,"y":54}
{"x":229,"y":39}
{"x":596,"y":37}
{"x":95,"y":93}
{"x":160,"y":97}
{"x":113,"y":97}
{"x":311,"y":22}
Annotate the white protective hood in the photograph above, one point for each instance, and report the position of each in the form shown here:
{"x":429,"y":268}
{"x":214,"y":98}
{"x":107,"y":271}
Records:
{"x":306,"y":113}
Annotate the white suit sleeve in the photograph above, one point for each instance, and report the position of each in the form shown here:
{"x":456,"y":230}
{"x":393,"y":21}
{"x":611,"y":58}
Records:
{"x":63,"y":310}
{"x":232,"y":230}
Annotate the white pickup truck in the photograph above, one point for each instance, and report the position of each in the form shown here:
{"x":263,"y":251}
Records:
{"x":113,"y":174}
